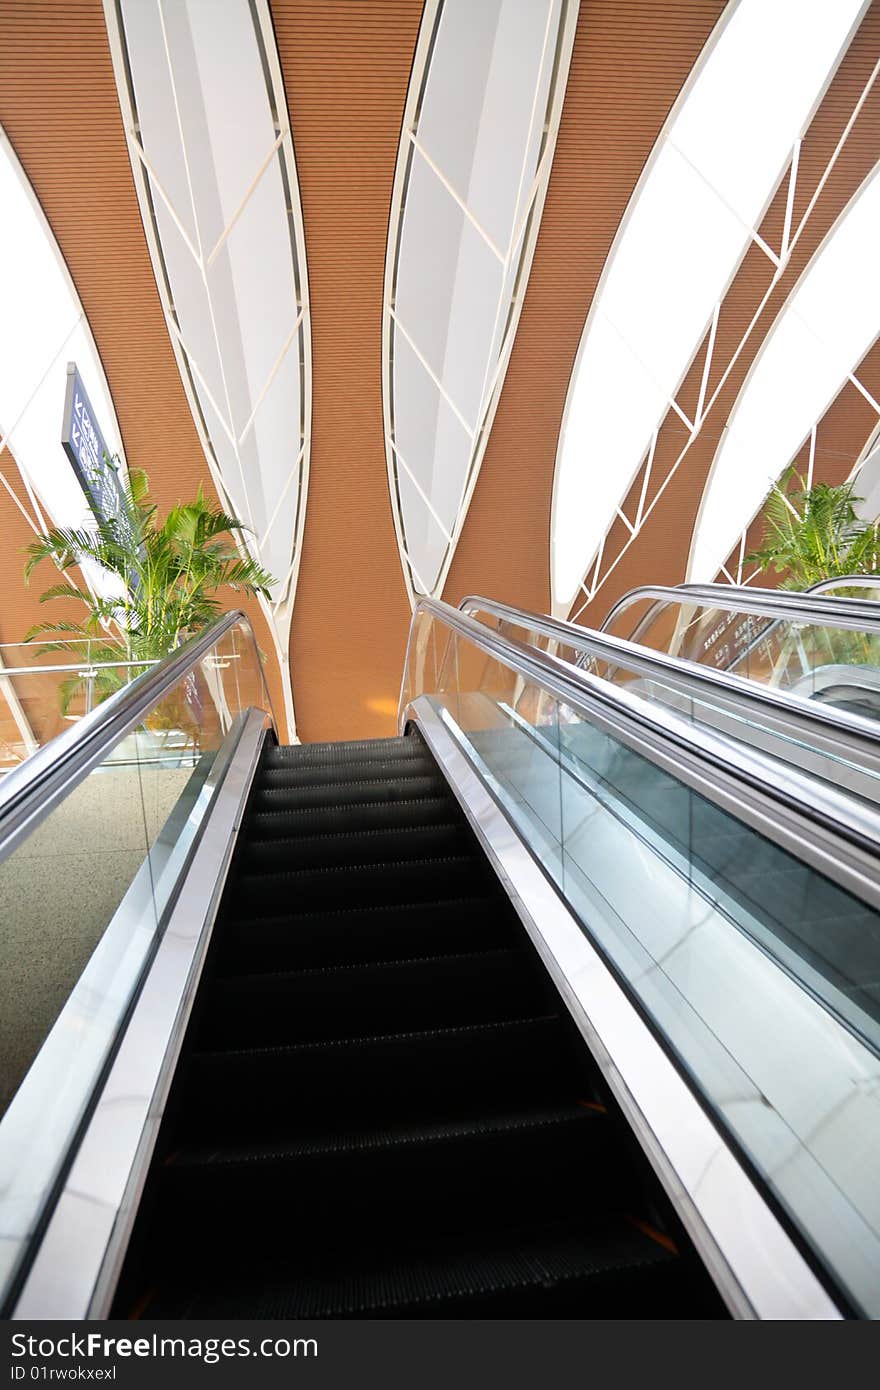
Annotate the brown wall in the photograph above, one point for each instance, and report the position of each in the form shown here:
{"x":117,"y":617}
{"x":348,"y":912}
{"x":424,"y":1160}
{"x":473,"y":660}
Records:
{"x":346,"y":70}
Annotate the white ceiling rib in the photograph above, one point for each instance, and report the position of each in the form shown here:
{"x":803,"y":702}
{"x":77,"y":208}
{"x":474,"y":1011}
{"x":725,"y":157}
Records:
{"x":830,"y":320}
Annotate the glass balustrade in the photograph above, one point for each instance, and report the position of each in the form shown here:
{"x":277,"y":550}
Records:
{"x":836,"y":663}
{"x":84,"y":899}
{"x":839,"y":761}
{"x":42,"y":693}
{"x":761,"y":975}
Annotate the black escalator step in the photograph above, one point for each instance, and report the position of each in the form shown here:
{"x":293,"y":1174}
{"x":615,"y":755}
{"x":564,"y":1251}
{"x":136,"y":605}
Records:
{"x":386,"y":790}
{"x":358,"y":885}
{"x":357,"y":934}
{"x":378,"y":1077}
{"x":546,"y":1271}
{"x":252,"y":1159}
{"x":384,"y":749}
{"x":353,"y":1000}
{"x":309,"y":774}
{"x":339,"y":849}
{"x":371,"y":815}
{"x":443,"y":1174}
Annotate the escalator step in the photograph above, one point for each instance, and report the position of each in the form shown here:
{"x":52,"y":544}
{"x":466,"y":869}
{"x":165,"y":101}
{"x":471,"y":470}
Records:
{"x":355,"y":1188}
{"x":394,"y":790}
{"x":360,"y":934}
{"x":378,"y":1076}
{"x":338,"y":849}
{"x":357,"y":885}
{"x":247,"y":1160}
{"x":372,"y":815}
{"x":544,"y":1272}
{"x":353,"y":1000}
{"x":381,"y":749}
{"x":321,"y":774}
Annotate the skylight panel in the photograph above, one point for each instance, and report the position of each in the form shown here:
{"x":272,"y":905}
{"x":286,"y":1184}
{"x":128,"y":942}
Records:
{"x":213,"y":157}
{"x":479,"y":131}
{"x":828,"y":324}
{"x":694,"y":213}
{"x":47,"y":330}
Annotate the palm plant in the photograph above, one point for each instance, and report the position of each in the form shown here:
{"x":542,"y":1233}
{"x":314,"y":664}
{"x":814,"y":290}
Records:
{"x":168,"y":575}
{"x":813,"y":533}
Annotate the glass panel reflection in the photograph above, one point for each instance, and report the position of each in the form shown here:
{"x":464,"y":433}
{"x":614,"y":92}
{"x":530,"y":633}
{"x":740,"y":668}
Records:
{"x":85,"y":898}
{"x":762,"y":976}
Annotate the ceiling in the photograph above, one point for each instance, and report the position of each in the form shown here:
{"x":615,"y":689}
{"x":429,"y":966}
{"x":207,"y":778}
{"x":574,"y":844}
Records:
{"x":342,"y":265}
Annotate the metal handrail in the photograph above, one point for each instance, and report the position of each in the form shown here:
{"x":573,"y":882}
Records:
{"x":31,"y":789}
{"x":830,"y":831}
{"x":850,"y":581}
{"x":693,"y":678}
{"x":784,"y":602}
{"x":9,"y":673}
{"x":854,"y":615}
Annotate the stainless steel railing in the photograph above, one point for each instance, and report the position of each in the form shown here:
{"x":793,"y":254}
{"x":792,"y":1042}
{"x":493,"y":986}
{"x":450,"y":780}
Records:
{"x":31,"y":790}
{"x":817,"y":822}
{"x":853,"y":615}
{"x":860,"y":734}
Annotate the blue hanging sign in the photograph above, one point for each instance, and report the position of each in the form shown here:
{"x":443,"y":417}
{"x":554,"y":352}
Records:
{"x":89,"y":456}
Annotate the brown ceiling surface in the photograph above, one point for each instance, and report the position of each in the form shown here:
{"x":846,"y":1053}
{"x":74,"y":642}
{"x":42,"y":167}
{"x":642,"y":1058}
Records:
{"x":628,"y":65}
{"x":659,"y":555}
{"x":346,"y":70}
{"x":59,"y":107}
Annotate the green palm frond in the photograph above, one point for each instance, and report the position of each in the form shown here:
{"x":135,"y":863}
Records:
{"x":99,"y":685}
{"x":170,"y":572}
{"x":63,"y":545}
{"x":65,"y":591}
{"x":813,"y":533}
{"x":139,"y":488}
{"x":61,"y":625}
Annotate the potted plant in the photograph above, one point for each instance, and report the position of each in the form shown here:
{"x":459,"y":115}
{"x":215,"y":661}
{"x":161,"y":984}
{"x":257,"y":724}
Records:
{"x":813,"y":533}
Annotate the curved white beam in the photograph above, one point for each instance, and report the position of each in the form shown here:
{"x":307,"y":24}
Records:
{"x":827,"y":324}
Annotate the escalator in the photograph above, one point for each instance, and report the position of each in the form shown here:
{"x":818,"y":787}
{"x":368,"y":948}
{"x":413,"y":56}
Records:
{"x":563,"y":1003}
{"x":800,"y":918}
{"x":835,"y":740}
{"x":823,"y":644}
{"x":380,"y":1110}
